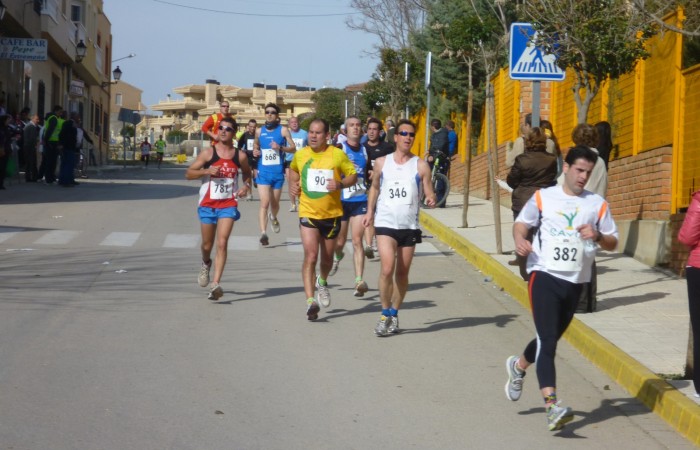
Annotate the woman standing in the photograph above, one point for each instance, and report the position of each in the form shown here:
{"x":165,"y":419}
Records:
{"x":690,"y":236}
{"x":531,"y":171}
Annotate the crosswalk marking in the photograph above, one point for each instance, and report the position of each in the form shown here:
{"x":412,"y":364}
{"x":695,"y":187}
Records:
{"x":57,"y":237}
{"x":8,"y":233}
{"x":121,"y":239}
{"x":181,"y":241}
{"x":178,"y":241}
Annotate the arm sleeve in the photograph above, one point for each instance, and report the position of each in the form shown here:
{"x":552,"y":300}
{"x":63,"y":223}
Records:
{"x":208,"y":124}
{"x":690,"y":231}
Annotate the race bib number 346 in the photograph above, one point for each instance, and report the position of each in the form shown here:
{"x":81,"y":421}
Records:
{"x":399,"y":192}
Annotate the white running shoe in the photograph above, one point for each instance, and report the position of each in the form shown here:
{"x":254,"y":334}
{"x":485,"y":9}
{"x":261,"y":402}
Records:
{"x":514,"y":385}
{"x":216,"y":292}
{"x":323,"y":296}
{"x":360,"y":288}
{"x":203,"y":278}
{"x":275,"y":223}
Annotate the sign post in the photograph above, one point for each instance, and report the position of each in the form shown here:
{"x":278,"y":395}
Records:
{"x":428,"y":62}
{"x":529,"y":62}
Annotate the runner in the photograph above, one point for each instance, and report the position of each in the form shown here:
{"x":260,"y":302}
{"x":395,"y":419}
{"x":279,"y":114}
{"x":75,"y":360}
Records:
{"x":354,"y":201}
{"x":300,"y":140}
{"x":246,"y":143}
{"x":395,"y":196}
{"x":318,"y":173}
{"x":160,"y":149}
{"x":218,"y":166}
{"x":211,"y":125}
{"x":271,"y":141}
{"x":376,"y":148}
{"x":570,"y":221}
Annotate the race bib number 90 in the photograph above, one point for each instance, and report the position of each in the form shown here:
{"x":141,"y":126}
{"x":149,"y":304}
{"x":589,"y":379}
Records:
{"x":270,"y":157}
{"x":317,"y":179}
{"x":221,"y":188}
{"x":565,"y":255}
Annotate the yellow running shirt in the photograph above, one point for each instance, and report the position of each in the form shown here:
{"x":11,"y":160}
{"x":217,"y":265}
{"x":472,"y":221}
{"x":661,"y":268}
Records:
{"x":314,"y":169}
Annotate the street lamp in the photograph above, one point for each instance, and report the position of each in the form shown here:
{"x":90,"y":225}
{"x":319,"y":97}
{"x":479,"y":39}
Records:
{"x":80,"y":51}
{"x":3,"y":8}
{"x":130,"y":55}
{"x":116,"y":74}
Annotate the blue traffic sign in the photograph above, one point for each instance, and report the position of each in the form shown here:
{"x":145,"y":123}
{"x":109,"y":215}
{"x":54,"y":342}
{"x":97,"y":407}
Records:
{"x":528,"y":61}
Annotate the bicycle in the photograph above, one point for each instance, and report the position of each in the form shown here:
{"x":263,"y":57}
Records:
{"x":440,"y":182}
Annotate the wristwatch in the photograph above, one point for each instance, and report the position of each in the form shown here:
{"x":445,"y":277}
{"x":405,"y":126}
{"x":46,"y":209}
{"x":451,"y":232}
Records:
{"x":599,"y":236}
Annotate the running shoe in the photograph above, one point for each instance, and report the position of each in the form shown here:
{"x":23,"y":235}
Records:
{"x":323,"y":296}
{"x":382,"y":328}
{"x":558,"y":416}
{"x":216,"y":292}
{"x":203,"y":278}
{"x":374,"y":244}
{"x":312,"y":310}
{"x":394,"y":325}
{"x":369,"y":252}
{"x":275,"y":224}
{"x":264,"y":240}
{"x":336,"y":263}
{"x":514,"y":385}
{"x":360,"y":288}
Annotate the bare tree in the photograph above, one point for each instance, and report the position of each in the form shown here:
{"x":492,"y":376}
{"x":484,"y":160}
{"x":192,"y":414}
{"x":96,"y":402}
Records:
{"x":655,"y":10}
{"x":393,"y":21}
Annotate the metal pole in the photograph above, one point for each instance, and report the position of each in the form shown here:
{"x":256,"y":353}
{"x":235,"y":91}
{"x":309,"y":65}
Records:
{"x":405,"y":78}
{"x":536,"y":89}
{"x":124,"y":141}
{"x":346,"y":108}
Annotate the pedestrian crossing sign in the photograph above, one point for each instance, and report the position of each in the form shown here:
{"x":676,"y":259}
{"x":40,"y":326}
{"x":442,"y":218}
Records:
{"x":528,"y":61}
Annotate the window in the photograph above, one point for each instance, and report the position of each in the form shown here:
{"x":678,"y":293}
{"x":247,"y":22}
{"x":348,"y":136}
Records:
{"x":118,"y":99}
{"x":76,"y":13}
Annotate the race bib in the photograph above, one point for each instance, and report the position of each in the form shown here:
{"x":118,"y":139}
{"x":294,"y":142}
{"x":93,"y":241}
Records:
{"x":355,"y":190}
{"x":221,"y":188}
{"x":564,"y":254}
{"x":249,"y":144}
{"x":399,"y":192}
{"x":270,"y":157}
{"x":317,"y":179}
{"x":299,"y":142}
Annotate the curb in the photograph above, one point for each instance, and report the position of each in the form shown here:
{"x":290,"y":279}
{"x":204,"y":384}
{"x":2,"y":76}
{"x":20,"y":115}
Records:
{"x":663,"y":399}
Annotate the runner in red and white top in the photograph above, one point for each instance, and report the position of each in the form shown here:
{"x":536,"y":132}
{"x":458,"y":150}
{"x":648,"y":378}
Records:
{"x":218,"y":167}
{"x":572,"y":223}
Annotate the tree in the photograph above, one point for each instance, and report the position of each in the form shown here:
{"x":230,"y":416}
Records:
{"x":460,"y":32}
{"x":597,"y":39}
{"x":393,"y":21}
{"x":655,"y":10}
{"x":330,"y":105}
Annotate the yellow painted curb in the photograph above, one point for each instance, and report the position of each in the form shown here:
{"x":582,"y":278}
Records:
{"x":676,"y":409}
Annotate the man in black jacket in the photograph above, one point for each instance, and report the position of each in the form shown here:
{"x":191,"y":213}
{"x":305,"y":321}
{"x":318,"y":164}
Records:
{"x":68,"y":142}
{"x":439,"y":146}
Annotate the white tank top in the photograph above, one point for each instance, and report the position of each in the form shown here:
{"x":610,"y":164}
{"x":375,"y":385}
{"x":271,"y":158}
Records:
{"x":399,"y":195}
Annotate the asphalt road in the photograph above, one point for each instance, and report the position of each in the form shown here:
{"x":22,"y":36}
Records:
{"x":107,"y":341}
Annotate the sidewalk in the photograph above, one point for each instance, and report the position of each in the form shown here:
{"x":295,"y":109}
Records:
{"x":640,"y":331}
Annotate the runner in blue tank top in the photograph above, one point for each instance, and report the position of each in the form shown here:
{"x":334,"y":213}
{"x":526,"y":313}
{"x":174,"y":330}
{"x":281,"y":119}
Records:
{"x":354,"y":200}
{"x":272,"y":141}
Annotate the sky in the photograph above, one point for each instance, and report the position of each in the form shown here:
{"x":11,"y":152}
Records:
{"x":177,"y":46}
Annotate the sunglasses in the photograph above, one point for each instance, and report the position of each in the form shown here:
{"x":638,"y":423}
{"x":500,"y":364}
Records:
{"x":271,"y":112}
{"x":406,"y":133}
{"x":223,"y":128}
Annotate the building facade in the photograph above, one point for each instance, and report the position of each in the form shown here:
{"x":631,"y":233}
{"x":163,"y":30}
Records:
{"x":201,"y":101}
{"x":40,"y":64}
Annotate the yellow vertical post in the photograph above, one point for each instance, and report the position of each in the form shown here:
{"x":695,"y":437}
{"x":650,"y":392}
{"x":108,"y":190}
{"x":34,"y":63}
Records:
{"x":638,"y":107}
{"x":604,"y":100}
{"x":553,"y":98}
{"x":678,"y":116}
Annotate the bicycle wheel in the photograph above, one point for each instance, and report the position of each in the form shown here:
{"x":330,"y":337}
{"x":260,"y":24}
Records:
{"x":441,"y":185}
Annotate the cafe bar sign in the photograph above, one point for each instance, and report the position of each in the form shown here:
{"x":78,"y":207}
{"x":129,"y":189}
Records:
{"x":23,"y":49}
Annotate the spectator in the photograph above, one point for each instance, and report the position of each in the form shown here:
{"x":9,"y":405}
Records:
{"x":604,"y":141}
{"x":534,"y":169}
{"x":439,"y":147}
{"x":68,"y":141}
{"x":452,"y":136}
{"x":30,"y":144}
{"x":553,"y":144}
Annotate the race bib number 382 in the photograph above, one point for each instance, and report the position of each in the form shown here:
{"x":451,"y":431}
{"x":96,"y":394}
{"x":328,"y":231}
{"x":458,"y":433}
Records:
{"x":565,"y":255}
